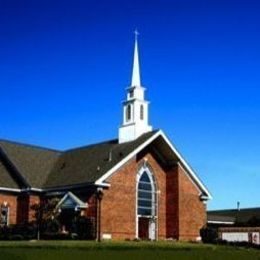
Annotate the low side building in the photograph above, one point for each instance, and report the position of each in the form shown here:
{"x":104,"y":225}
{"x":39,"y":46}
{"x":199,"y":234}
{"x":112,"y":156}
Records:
{"x":236,"y":224}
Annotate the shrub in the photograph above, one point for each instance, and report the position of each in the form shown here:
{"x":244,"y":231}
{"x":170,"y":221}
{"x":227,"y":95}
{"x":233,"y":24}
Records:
{"x":26,"y":231}
{"x":51,"y":226}
{"x":208,"y":235}
{"x":84,"y":228}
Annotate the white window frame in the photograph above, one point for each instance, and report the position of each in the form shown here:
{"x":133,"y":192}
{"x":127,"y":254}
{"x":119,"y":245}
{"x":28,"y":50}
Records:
{"x":147,"y":168}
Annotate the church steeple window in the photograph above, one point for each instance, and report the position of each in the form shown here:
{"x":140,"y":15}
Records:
{"x":128,"y":113}
{"x":142,"y":112}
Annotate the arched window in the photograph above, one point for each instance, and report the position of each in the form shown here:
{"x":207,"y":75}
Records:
{"x":142,"y":112}
{"x":146,"y":204}
{"x":128,"y":113}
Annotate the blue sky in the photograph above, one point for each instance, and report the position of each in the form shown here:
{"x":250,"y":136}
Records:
{"x":64,"y":67}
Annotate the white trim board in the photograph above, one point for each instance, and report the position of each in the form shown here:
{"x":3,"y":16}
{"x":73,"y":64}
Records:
{"x":220,"y":222}
{"x":10,"y":189}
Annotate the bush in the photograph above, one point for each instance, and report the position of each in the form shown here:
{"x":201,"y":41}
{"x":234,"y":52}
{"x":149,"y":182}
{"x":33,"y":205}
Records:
{"x":26,"y":231}
{"x":51,"y":226}
{"x":209,"y":235}
{"x":84,"y":228}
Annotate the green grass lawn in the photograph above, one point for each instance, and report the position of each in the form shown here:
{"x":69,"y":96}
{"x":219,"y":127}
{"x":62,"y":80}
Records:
{"x":74,"y":250}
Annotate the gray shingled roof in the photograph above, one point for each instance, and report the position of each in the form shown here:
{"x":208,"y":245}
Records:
{"x":33,"y":163}
{"x":6,"y":179}
{"x":239,"y":216}
{"x":45,"y":168}
{"x":220,"y":218}
{"x":87,"y":164}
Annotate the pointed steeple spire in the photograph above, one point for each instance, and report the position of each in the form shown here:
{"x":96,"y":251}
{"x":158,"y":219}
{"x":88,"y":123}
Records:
{"x":136,"y":81}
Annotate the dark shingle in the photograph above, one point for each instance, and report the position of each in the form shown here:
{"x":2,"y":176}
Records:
{"x":241,"y":215}
{"x":44,"y":168}
{"x":220,"y":218}
{"x":6,"y":179}
{"x":33,"y":163}
{"x":87,"y":164}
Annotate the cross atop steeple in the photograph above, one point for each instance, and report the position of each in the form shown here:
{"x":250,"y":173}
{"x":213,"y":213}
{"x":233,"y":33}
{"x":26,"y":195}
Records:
{"x":136,"y":34}
{"x":136,"y":81}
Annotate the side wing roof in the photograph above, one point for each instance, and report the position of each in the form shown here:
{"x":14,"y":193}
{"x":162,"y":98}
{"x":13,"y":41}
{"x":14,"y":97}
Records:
{"x":30,"y":164}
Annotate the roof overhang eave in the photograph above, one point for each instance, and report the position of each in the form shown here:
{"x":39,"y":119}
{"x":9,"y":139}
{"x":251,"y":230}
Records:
{"x":10,"y":190}
{"x":221,"y":222}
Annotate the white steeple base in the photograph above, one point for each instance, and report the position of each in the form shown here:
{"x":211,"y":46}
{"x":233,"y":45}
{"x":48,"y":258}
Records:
{"x":130,"y":132}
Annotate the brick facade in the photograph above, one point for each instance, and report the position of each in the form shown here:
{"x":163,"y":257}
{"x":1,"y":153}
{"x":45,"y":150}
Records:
{"x":181,"y":213}
{"x":192,"y":211}
{"x":180,"y":216}
{"x":118,"y":204}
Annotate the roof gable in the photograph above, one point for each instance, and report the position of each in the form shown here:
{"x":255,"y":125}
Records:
{"x":87,"y":164}
{"x":170,"y":154}
{"x":71,"y":201}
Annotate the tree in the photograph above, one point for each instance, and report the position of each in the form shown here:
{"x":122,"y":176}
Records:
{"x":44,"y":212}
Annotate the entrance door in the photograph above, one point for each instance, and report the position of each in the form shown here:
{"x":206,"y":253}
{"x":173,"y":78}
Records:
{"x":66,"y":218}
{"x":146,"y":228}
{"x":152,"y":229}
{"x":143,"y":228}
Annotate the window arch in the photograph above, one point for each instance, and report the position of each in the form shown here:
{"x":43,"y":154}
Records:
{"x":142,"y":112}
{"x":146,"y":194}
{"x":128,"y":113}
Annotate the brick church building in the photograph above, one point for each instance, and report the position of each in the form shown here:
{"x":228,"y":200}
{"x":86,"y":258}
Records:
{"x":136,"y":186}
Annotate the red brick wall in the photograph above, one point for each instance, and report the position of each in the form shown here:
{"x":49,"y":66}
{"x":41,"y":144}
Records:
{"x":33,"y":199}
{"x":12,"y":203}
{"x":192,"y":211}
{"x":24,"y":212}
{"x":172,"y":203}
{"x":181,"y":214}
{"x":22,"y":209}
{"x":118,"y":204}
{"x":118,"y":210}
{"x":91,"y":210}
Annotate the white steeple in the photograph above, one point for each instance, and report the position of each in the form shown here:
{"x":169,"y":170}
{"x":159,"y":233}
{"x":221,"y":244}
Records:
{"x":136,"y":69}
{"x":135,"y":107}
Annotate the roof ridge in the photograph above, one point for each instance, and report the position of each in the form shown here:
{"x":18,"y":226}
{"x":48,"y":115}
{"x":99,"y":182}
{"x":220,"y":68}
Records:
{"x":104,"y":142}
{"x":30,"y":145}
{"x":233,"y":209}
{"x":89,"y":145}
